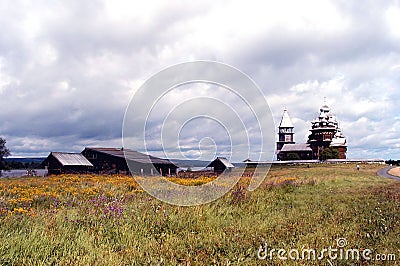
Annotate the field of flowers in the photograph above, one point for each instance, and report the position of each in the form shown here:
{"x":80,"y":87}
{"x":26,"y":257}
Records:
{"x":109,"y":220}
{"x":31,"y":195}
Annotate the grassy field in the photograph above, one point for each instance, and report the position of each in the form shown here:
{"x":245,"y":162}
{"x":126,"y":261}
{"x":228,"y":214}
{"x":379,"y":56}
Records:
{"x":109,"y":220}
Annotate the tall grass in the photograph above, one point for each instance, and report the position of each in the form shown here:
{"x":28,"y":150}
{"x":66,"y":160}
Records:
{"x":93,"y":220}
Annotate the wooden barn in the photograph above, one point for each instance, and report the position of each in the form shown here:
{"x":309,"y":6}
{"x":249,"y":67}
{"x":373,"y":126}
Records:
{"x":220,"y":164}
{"x":66,"y":163}
{"x":114,"y":161}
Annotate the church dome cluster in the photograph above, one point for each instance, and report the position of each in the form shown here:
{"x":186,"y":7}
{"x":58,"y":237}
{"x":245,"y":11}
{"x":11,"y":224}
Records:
{"x":324,"y":133}
{"x":325,"y":118}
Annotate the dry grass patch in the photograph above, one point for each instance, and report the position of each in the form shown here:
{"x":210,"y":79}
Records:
{"x":395,"y":171}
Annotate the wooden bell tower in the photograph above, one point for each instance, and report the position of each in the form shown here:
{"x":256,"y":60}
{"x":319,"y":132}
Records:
{"x":285,"y":131}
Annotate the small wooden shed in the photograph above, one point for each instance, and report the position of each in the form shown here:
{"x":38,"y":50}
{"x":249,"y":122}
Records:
{"x":66,"y":163}
{"x":220,"y":164}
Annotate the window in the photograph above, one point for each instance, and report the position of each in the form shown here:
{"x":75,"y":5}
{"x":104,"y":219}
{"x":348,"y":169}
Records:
{"x":285,"y":130}
{"x":91,"y":155}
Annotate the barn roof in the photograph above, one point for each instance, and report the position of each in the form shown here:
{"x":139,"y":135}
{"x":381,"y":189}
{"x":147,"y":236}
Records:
{"x":296,"y":147}
{"x":224,"y":161}
{"x":131,"y":155}
{"x":71,"y":159}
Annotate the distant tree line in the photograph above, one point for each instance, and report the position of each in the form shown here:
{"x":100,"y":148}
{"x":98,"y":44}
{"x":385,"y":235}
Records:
{"x":393,"y":162}
{"x":14,"y":164}
{"x":8,"y":165}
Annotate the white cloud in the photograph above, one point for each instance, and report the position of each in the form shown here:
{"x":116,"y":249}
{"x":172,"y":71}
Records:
{"x":5,"y":79}
{"x":393,"y":20}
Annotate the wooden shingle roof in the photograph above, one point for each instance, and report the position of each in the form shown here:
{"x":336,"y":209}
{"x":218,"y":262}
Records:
{"x":131,"y":155}
{"x":223,"y":160}
{"x":71,"y":159}
{"x":296,"y":147}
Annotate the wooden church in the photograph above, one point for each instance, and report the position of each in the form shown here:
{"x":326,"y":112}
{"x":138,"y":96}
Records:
{"x":325,"y":133}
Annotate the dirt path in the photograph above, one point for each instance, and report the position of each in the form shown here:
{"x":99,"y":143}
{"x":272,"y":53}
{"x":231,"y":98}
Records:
{"x":385,"y":172}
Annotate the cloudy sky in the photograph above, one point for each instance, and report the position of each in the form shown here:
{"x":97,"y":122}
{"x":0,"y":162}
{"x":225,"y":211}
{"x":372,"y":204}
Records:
{"x":68,"y":69}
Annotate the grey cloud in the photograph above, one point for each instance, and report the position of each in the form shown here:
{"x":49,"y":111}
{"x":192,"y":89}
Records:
{"x":66,"y":67}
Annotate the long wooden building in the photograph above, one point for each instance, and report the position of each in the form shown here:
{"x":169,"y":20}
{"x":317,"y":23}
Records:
{"x":114,"y":160}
